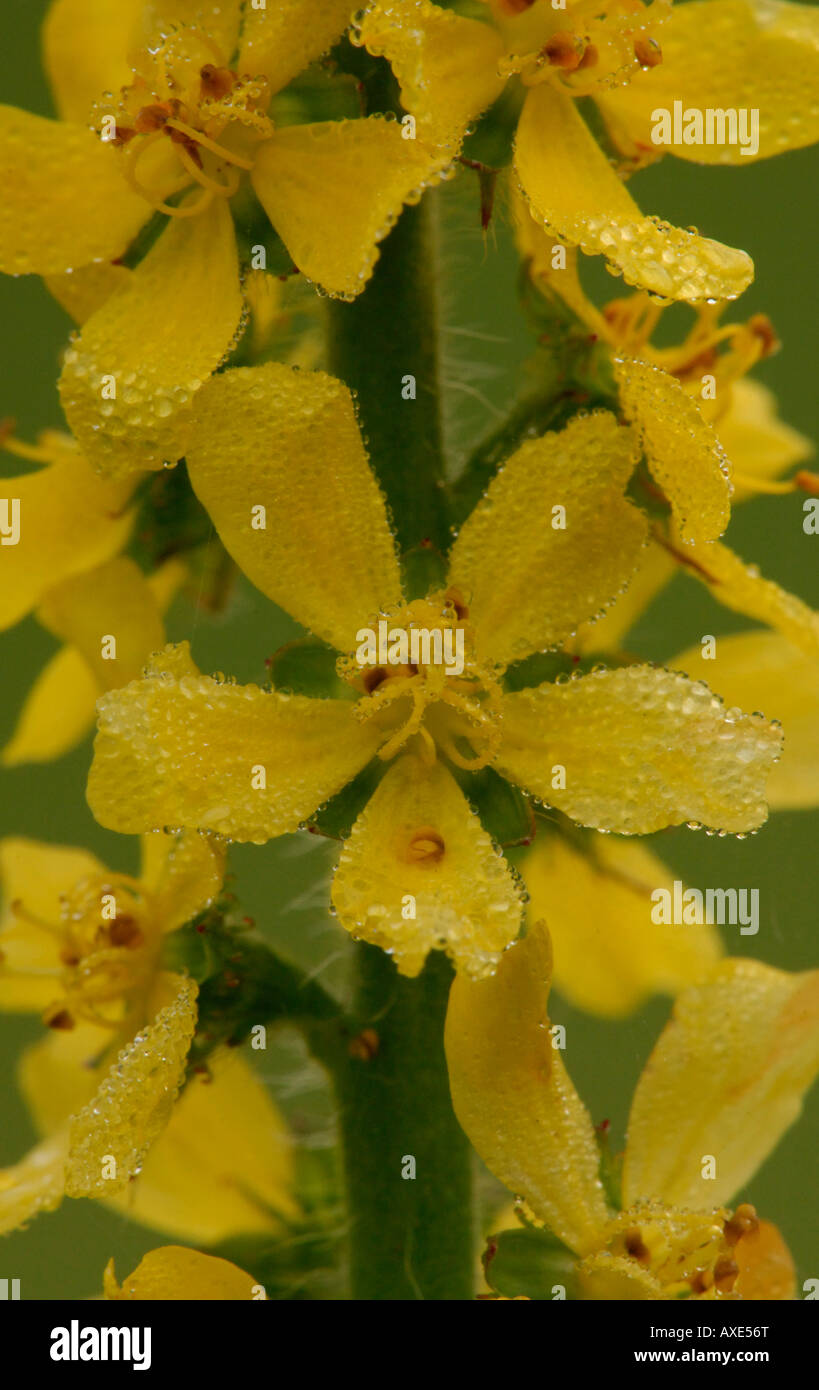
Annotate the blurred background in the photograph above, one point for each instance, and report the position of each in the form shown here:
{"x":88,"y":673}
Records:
{"x":769,"y":209}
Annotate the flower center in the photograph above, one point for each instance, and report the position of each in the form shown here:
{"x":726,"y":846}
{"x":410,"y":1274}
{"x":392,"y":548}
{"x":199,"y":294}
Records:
{"x":106,"y":947}
{"x":207,"y":115}
{"x":689,"y":1253}
{"x":597,"y":43}
{"x":423,"y":655}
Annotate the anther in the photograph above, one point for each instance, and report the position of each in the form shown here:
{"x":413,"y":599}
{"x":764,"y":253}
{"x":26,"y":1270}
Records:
{"x":564,"y":50}
{"x":216,"y":82}
{"x":636,"y":1246}
{"x":60,"y":1019}
{"x":648,"y":52}
{"x":725,"y":1274}
{"x":743,"y":1221}
{"x":365,"y":1046}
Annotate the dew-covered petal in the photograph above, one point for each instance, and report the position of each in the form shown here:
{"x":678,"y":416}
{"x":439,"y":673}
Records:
{"x":83,"y":291}
{"x":529,"y":580}
{"x":514,"y":1098}
{"x":70,"y":520}
{"x":742,"y":587}
{"x":57,"y":713}
{"x":615,"y":1278}
{"x":156,"y":339}
{"x":763,"y":670}
{"x":446,"y":65}
{"x":641,"y":749}
{"x":606,"y":635}
{"x":726,"y":1079}
{"x":683,"y":452}
{"x":132,"y":1105}
{"x":85,"y":51}
{"x":419,"y":872}
{"x":725,"y":55}
{"x":184,"y":873}
{"x":64,"y":201}
{"x":574,"y":192}
{"x":283,"y":38}
{"x":173,"y":1273}
{"x":110,"y":616}
{"x":351,"y":176}
{"x":214,"y":21}
{"x":288,"y":441}
{"x":609,"y":954}
{"x":180,"y":749}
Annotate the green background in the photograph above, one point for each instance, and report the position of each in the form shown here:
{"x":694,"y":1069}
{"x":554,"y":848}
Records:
{"x":767,"y":208}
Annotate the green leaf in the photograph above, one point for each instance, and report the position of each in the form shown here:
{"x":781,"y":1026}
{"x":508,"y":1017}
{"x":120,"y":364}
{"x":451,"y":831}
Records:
{"x":307,"y":666}
{"x":530,"y":1263}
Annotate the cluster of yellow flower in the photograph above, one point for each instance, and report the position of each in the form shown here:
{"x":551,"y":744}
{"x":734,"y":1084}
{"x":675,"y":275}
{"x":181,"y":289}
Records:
{"x":197,"y":142}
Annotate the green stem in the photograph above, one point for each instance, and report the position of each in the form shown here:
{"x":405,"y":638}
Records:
{"x":387,"y":335}
{"x":407,"y":1164}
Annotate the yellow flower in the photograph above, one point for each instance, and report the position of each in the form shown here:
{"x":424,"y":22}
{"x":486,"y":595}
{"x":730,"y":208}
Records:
{"x":184,"y":124}
{"x":104,"y":1083}
{"x":172,"y":1272}
{"x":723,"y":1083}
{"x":630,"y":58}
{"x":626,"y":750}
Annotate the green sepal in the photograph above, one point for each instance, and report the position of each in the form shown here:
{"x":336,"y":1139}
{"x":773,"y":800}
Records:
{"x":337,"y":818}
{"x":530,"y":1263}
{"x":307,"y":666}
{"x":505,"y":813}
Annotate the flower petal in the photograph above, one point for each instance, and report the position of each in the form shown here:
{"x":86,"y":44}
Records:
{"x":281,"y":40}
{"x":82,"y":292}
{"x":513,"y":1096}
{"x":609,"y":954}
{"x":156,"y":338}
{"x":133,"y":1104}
{"x":112,"y":601}
{"x":184,"y":873}
{"x":763,"y":670}
{"x":70,"y":520}
{"x":741,"y":587}
{"x":33,"y":1185}
{"x":418,"y":847}
{"x":263,"y":437}
{"x":173,"y":1273}
{"x":355,"y":176}
{"x":180,"y":749}
{"x":35,"y":875}
{"x":684,"y":454}
{"x":57,"y":712}
{"x":615,"y":1278}
{"x":757,"y":442}
{"x":532,"y":585}
{"x":766,"y":1268}
{"x":726,"y":1079}
{"x":731,"y":55}
{"x":641,"y":748}
{"x":216,"y":24}
{"x":85,"y":48}
{"x":606,"y":635}
{"x":223,"y":1166}
{"x":446,"y":65}
{"x":64,"y":202}
{"x":576,"y":194}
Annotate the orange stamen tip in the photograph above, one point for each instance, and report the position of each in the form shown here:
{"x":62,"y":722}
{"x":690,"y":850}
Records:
{"x":590,"y":57}
{"x":648,"y":53}
{"x":365,"y":1046}
{"x":216,"y":82}
{"x":151,"y":118}
{"x":762,"y":328}
{"x":62,"y":1020}
{"x":516,"y":6}
{"x":808,"y":482}
{"x":564,"y":50}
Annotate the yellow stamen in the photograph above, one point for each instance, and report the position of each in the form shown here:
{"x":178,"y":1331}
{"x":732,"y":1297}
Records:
{"x":200,"y":138}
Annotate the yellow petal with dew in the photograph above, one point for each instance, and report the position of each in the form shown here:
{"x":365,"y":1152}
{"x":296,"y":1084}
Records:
{"x":57,"y":713}
{"x":615,"y":1278}
{"x":763,"y":670}
{"x":743,"y":588}
{"x":446,"y":65}
{"x":33,"y":1185}
{"x":730,"y":55}
{"x":354,"y":176}
{"x":514,"y":1098}
{"x":638,"y":749}
{"x":184,"y":874}
{"x":59,"y":1074}
{"x":683,"y":452}
{"x":186,"y":751}
{"x":574,"y":192}
{"x":532,"y":573}
{"x":69,"y":520}
{"x":214,"y":24}
{"x":419,"y":872}
{"x":113,"y":601}
{"x":130,"y":379}
{"x":725,"y":1080}
{"x":85,"y":52}
{"x":223,"y":1166}
{"x":65,"y":202}
{"x":263,"y":438}
{"x":606,"y":635}
{"x":281,"y":40}
{"x":173,"y":1273}
{"x":609,"y":954}
{"x":82,"y":292}
{"x":133,"y":1103}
